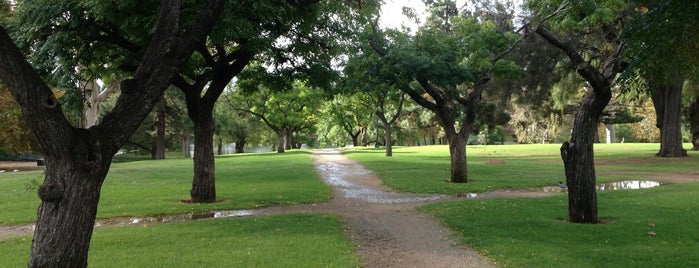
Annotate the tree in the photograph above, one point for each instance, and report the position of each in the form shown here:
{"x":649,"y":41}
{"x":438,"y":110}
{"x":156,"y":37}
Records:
{"x":451,"y":59}
{"x":282,"y":111}
{"x":663,"y":51}
{"x":349,"y":113}
{"x":589,"y":35}
{"x":78,"y":159}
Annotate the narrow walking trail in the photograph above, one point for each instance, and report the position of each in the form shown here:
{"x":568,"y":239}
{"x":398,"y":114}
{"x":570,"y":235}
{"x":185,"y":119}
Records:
{"x":386,"y":226}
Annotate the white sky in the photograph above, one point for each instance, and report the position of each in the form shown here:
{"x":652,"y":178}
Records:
{"x":392,"y":12}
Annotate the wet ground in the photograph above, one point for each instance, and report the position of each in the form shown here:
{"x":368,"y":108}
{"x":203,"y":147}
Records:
{"x":385,"y":225}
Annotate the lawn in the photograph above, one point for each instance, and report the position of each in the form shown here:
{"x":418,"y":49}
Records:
{"x":293,"y":240}
{"x":158,"y":187}
{"x":425,"y":169}
{"x":657,"y":227}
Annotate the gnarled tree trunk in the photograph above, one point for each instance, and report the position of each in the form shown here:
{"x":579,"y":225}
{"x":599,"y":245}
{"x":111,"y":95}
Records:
{"x":77,"y":160}
{"x":579,"y":161}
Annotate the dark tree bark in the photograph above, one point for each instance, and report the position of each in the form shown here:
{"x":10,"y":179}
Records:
{"x":694,"y":123}
{"x":667,"y":100}
{"x":355,"y":137}
{"x":240,"y":146}
{"x":204,"y":181}
{"x":289,"y":139}
{"x":159,"y":152}
{"x":184,"y":140}
{"x":77,"y":160}
{"x":578,"y":153}
{"x":280,"y":139}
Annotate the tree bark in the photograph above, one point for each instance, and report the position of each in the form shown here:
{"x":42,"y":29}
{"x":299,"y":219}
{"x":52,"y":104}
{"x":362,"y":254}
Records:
{"x":280,"y":140}
{"x":694,"y":123}
{"x":77,"y":160}
{"x":240,"y":146}
{"x":204,"y":181}
{"x":578,"y":159}
{"x":184,"y":141}
{"x":159,"y":152}
{"x":387,"y":138}
{"x":457,"y":150}
{"x":667,"y":99}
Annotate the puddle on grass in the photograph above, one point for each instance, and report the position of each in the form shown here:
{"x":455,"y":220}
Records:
{"x":337,"y":175}
{"x":607,"y":186}
{"x":127,"y":221}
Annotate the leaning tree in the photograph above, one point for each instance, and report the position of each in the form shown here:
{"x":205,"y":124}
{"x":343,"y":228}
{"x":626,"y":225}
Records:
{"x":590,"y":36}
{"x":78,"y":159}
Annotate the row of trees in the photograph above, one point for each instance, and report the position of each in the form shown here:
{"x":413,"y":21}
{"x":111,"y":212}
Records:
{"x":464,"y":67}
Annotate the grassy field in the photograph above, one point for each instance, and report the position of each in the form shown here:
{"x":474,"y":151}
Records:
{"x":425,"y":169}
{"x":157,"y":187}
{"x":294,"y":240}
{"x":657,"y":227}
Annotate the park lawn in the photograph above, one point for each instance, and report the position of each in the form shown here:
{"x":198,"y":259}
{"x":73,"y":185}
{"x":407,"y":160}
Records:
{"x":426,"y":169}
{"x":292,"y":240}
{"x":533,"y":232}
{"x":157,"y":187}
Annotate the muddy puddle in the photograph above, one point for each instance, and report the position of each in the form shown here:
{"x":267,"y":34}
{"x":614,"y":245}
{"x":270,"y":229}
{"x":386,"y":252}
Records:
{"x":127,"y":221}
{"x":548,"y":190}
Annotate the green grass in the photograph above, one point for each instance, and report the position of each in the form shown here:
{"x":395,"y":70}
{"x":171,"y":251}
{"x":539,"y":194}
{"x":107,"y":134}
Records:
{"x":534,"y":233}
{"x":294,"y":240}
{"x":157,"y":187}
{"x":425,"y":169}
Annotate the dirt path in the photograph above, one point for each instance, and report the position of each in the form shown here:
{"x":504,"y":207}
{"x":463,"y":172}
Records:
{"x":385,"y":225}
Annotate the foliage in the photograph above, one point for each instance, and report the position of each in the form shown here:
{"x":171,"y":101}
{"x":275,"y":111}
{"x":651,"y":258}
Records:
{"x":294,"y":240}
{"x":15,"y":136}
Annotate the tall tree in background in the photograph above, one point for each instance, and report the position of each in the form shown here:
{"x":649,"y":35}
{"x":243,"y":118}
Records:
{"x":663,"y":50}
{"x":590,"y":36}
{"x":78,"y":159}
{"x":451,"y":59}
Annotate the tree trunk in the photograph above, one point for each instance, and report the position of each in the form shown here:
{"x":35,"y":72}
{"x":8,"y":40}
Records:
{"x":457,"y":150}
{"x":69,"y":198}
{"x":694,"y":123}
{"x":578,"y":158}
{"x":280,"y":140}
{"x":240,"y":146}
{"x":355,"y":138}
{"x":667,"y":99}
{"x":387,"y":138}
{"x":160,"y":135}
{"x":219,"y":150}
{"x":204,"y":182}
{"x":289,"y":139}
{"x":184,"y":140}
{"x":611,"y":133}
